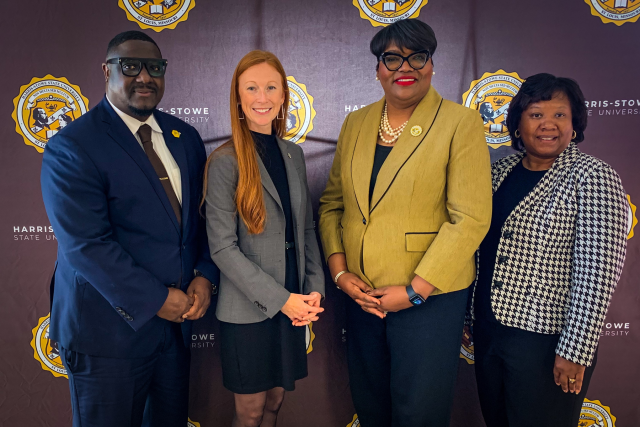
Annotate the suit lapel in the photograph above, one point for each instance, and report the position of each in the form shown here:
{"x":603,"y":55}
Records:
{"x":423,"y":116}
{"x":121,"y":134}
{"x":267,"y":183}
{"x":176,"y":147}
{"x":363,"y":155}
{"x":295,"y":189}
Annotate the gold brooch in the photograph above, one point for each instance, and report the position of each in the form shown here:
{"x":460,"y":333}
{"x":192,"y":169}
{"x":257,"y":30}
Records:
{"x":175,"y":133}
{"x":416,"y":130}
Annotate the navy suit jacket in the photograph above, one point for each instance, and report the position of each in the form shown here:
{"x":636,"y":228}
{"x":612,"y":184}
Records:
{"x":119,"y":242}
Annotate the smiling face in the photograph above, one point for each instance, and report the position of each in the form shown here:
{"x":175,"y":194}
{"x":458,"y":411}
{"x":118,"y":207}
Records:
{"x":261,"y":94}
{"x":546,"y":128}
{"x":135,"y":96}
{"x":405,"y":86}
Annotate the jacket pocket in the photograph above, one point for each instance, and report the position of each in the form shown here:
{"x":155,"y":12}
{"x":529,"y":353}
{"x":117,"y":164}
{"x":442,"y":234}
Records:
{"x":419,"y":242}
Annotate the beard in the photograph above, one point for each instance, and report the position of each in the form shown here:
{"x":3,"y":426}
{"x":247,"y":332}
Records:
{"x":141,"y":112}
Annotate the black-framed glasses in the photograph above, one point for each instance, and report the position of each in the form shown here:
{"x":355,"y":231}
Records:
{"x":131,"y":67}
{"x":393,"y":61}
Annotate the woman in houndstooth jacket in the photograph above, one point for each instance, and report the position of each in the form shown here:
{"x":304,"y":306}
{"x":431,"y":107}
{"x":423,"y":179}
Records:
{"x":549,"y":264}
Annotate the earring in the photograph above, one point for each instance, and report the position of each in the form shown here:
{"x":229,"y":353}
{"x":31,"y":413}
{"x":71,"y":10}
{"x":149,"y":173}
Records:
{"x":517,"y":133}
{"x":282,"y":111}
{"x":377,"y":78}
{"x":241,"y":114}
{"x":434,"y":73}
{"x":575,"y":135}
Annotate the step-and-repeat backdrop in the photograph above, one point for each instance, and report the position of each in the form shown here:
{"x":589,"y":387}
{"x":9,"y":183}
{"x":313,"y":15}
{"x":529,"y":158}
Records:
{"x":50,"y":74}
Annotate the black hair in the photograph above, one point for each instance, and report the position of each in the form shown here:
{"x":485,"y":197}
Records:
{"x":410,"y":34}
{"x":126,"y":36}
{"x":543,"y":87}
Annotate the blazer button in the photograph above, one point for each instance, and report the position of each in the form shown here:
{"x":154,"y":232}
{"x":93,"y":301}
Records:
{"x":507,"y":234}
{"x":257,"y":303}
{"x":364,"y":221}
{"x":502,"y":259}
{"x":498,"y":284}
{"x":264,"y":309}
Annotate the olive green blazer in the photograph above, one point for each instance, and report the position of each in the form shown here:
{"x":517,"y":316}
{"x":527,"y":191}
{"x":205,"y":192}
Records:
{"x":431,"y":206}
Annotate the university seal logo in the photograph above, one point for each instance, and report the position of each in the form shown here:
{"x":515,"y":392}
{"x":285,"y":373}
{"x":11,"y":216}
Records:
{"x":632,"y":220}
{"x":596,"y":414}
{"x":300,"y":114}
{"x":192,"y":423}
{"x":491,"y":96}
{"x":45,"y":106}
{"x":309,"y":337}
{"x":355,"y":422}
{"x":46,"y":351}
{"x":381,"y":13}
{"x":466,"y":348}
{"x":157,"y":15}
{"x":615,"y":11}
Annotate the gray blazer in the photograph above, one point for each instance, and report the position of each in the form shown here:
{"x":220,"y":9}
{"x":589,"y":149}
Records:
{"x":252,"y":267}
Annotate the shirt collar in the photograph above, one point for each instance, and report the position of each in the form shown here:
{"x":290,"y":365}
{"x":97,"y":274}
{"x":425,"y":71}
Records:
{"x":134,"y":124}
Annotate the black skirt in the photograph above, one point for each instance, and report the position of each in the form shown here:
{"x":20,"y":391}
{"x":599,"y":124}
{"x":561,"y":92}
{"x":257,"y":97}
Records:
{"x":257,"y":357}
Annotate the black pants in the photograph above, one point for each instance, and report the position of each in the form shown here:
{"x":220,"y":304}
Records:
{"x":402,"y":370}
{"x":514,"y":371}
{"x":150,"y":391}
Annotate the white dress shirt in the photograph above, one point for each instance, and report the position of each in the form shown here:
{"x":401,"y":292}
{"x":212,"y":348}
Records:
{"x":159,"y":146}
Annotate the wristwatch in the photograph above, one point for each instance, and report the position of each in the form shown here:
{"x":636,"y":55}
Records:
{"x":214,"y":288}
{"x":414,"y":297}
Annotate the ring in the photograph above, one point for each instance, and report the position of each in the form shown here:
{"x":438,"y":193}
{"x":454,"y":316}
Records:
{"x":572,"y":380}
{"x":385,"y":313}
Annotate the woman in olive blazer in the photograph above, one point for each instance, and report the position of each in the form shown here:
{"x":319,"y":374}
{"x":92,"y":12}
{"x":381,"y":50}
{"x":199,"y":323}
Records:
{"x":400,"y":233}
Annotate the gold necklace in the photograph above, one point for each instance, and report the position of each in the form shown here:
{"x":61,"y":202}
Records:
{"x":384,"y":125}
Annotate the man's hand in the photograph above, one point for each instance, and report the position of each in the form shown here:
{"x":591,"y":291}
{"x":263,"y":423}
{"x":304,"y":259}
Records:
{"x":200,"y":290}
{"x":175,"y":306}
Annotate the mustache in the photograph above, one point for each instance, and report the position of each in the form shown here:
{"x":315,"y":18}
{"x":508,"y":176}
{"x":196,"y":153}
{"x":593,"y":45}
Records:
{"x":151,"y":87}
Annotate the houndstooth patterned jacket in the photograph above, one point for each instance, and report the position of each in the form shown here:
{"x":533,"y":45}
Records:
{"x":561,"y":252}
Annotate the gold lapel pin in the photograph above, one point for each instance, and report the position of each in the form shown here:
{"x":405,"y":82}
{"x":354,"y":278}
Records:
{"x":175,"y":133}
{"x":289,"y":154}
{"x":416,"y":130}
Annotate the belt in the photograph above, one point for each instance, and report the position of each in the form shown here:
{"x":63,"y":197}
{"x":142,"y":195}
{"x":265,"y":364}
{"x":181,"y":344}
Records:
{"x":289,"y":245}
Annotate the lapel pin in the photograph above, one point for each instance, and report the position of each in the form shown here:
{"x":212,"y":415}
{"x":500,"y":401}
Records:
{"x":416,"y":130}
{"x":177,"y":134}
{"x":289,"y":154}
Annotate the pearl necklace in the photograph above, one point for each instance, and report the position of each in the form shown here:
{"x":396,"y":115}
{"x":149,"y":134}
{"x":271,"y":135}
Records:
{"x":384,"y":125}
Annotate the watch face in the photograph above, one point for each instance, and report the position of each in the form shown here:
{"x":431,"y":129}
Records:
{"x":416,"y":300}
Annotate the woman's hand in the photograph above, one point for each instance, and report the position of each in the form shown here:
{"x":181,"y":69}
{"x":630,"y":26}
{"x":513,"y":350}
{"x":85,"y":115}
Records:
{"x":315,"y":302}
{"x":392,"y":298}
{"x":358,"y":291}
{"x":564,"y":370}
{"x":299,"y":311}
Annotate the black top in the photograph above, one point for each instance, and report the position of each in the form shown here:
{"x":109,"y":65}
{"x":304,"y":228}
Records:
{"x":511,"y":192}
{"x":382,"y":152}
{"x":271,"y":156}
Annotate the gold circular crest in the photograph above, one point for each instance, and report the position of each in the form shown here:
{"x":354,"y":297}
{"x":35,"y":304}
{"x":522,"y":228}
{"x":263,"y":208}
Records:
{"x":192,"y":423}
{"x":618,"y":12}
{"x":416,"y":130}
{"x":381,"y":13}
{"x":596,"y":414}
{"x":309,"y":337}
{"x":490,"y":96}
{"x":355,"y":422}
{"x":632,"y":220}
{"x":45,"y":350}
{"x":300,"y":114}
{"x":44,"y":106}
{"x":157,"y":15}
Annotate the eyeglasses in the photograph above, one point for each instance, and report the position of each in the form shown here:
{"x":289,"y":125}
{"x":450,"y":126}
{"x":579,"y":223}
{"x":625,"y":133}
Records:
{"x":393,"y":61}
{"x":132,"y":67}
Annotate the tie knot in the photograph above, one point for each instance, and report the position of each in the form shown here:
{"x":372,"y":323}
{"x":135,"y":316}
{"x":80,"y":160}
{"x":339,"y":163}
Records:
{"x":145,"y":134}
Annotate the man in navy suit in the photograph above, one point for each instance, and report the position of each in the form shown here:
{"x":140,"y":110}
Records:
{"x":121,"y":186}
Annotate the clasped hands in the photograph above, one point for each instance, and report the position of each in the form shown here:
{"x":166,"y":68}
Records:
{"x":192,"y":305}
{"x":380,"y":301}
{"x":303,"y":309}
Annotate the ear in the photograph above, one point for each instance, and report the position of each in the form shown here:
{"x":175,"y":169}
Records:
{"x":106,"y":72}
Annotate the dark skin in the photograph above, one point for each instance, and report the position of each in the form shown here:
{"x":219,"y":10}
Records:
{"x":401,"y":100}
{"x":144,"y":92}
{"x":546,"y":130}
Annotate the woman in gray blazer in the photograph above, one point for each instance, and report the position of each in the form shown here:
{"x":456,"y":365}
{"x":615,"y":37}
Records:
{"x":261,"y":236}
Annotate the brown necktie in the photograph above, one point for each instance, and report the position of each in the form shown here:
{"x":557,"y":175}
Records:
{"x":145,"y":138}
